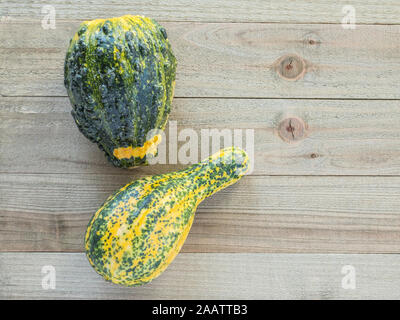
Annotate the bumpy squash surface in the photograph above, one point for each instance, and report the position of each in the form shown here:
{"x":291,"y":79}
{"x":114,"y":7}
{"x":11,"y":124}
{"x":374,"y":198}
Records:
{"x":120,"y":76}
{"x":140,"y":229}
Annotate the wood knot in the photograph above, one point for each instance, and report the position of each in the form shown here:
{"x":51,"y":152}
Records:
{"x":291,"y":67}
{"x":311,"y":40}
{"x":292,"y":129}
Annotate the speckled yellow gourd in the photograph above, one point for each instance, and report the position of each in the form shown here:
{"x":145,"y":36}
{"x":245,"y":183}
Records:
{"x":140,"y":229}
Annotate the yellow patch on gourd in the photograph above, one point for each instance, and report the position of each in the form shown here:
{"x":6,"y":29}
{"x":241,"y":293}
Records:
{"x":138,"y":20}
{"x":149,"y":147}
{"x":123,"y":243}
{"x":172,"y":254}
{"x":124,"y":22}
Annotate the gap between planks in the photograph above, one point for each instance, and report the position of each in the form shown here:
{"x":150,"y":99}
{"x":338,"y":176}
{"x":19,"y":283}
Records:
{"x":231,"y":98}
{"x":20,"y":20}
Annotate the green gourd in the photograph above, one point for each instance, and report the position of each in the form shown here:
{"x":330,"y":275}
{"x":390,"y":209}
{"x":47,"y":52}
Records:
{"x":120,"y":77}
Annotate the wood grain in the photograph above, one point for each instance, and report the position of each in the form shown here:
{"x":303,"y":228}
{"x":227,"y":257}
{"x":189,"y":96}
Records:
{"x":258,"y":214}
{"x":278,"y":11}
{"x":227,"y":60}
{"x":324,"y":105}
{"x":343,"y":137}
{"x":209,"y":276}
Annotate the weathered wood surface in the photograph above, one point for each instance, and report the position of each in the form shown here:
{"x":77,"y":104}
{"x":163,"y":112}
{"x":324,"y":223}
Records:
{"x":277,"y":11}
{"x":343,"y":137}
{"x":227,"y":60}
{"x":242,"y":65}
{"x":258,"y":214}
{"x":209,"y":276}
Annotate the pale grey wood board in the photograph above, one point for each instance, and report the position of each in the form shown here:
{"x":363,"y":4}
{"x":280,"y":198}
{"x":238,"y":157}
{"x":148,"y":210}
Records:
{"x":209,"y":276}
{"x":227,"y":59}
{"x":344,"y":137}
{"x":42,"y":212}
{"x":278,"y":11}
{"x":335,"y":191}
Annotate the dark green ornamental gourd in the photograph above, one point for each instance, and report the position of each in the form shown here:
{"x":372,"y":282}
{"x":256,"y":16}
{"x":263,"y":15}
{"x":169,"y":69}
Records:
{"x":120,"y":77}
{"x":140,"y":229}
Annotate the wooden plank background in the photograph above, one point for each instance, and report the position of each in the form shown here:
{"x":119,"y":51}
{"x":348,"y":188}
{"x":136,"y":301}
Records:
{"x":330,"y":199}
{"x":277,"y":11}
{"x":227,"y":59}
{"x":209,"y":276}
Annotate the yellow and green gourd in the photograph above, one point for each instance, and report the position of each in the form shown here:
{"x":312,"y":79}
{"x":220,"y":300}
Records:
{"x":140,"y":229}
{"x":120,"y":76}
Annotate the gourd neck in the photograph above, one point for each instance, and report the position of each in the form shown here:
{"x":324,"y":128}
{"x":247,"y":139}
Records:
{"x":217,"y":172}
